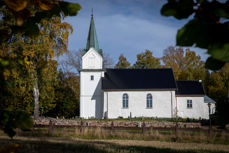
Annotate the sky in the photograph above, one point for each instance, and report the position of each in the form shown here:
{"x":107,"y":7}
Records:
{"x":126,"y":27}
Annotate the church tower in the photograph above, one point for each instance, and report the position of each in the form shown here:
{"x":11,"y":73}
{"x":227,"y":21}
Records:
{"x":91,"y":94}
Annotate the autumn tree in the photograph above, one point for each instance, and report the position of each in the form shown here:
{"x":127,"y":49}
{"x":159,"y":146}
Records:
{"x":38,"y":61}
{"x":122,"y":63}
{"x":218,"y":89}
{"x":22,"y":53}
{"x":207,"y":28}
{"x":52,"y":43}
{"x":66,"y":96}
{"x":28,"y":14}
{"x":186,"y":64}
{"x":73,"y":60}
{"x":146,"y":60}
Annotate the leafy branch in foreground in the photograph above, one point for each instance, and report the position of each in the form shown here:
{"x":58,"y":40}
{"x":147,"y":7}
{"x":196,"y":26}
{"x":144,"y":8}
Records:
{"x":207,"y":27}
{"x":9,"y":121}
{"x":32,"y":35}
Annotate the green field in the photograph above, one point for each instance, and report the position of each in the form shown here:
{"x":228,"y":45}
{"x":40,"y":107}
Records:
{"x":168,"y":135}
{"x":49,"y":145}
{"x":88,"y":140}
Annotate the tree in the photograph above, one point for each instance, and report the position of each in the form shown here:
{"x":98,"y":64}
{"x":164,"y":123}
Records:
{"x":217,"y":89}
{"x":146,"y":60}
{"x":186,"y":64}
{"x":66,"y":96}
{"x":207,"y":28}
{"x":73,"y":61}
{"x":20,"y":25}
{"x":28,"y":14}
{"x":122,"y":63}
{"x":38,"y":60}
{"x":107,"y":61}
{"x":25,"y":16}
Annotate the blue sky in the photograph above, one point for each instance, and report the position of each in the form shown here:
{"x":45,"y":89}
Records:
{"x":126,"y":27}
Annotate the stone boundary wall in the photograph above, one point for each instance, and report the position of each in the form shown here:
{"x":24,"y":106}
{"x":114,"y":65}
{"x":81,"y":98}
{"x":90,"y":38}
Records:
{"x":115,"y":123}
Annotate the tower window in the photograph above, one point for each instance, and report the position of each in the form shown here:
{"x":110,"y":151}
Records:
{"x":92,"y":77}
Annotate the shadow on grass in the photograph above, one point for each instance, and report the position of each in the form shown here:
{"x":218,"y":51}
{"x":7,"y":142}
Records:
{"x":43,"y":146}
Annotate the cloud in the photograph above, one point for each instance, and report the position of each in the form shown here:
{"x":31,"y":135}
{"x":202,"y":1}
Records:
{"x":125,"y":27}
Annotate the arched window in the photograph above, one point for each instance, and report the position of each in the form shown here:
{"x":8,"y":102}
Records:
{"x":125,"y":101}
{"x":149,"y":103}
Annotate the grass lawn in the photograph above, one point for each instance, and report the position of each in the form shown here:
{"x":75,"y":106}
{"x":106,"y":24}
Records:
{"x":68,"y":145}
{"x":125,"y":134}
{"x":88,"y":140}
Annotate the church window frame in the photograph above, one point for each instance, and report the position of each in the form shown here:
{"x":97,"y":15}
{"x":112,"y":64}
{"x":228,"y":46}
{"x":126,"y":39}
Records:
{"x":92,"y":77}
{"x":125,"y":101}
{"x":149,"y":101}
{"x":189,"y":104}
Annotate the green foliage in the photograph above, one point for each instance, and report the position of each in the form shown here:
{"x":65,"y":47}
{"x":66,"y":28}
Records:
{"x":146,"y":60}
{"x":29,"y":14}
{"x":69,"y":9}
{"x":32,"y":34}
{"x":66,"y":96}
{"x":222,"y":113}
{"x":180,"y":10}
{"x":122,"y":63}
{"x":213,"y":64}
{"x":208,"y":28}
{"x":9,"y":121}
{"x":32,"y":60}
{"x":217,"y":88}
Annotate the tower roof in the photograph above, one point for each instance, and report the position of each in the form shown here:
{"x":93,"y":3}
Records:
{"x":92,"y":41}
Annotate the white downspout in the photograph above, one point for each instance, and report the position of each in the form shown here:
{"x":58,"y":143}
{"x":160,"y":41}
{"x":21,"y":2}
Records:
{"x":171,"y":105}
{"x":107,"y":104}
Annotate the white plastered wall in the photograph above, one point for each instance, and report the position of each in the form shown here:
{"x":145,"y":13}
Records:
{"x":91,"y":94}
{"x":163,"y":101}
{"x":92,"y":60}
{"x":199,"y":108}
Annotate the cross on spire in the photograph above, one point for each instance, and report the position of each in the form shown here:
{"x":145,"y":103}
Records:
{"x":92,"y":13}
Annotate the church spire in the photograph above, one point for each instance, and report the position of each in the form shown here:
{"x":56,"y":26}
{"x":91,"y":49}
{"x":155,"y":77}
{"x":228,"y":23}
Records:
{"x":92,"y":40}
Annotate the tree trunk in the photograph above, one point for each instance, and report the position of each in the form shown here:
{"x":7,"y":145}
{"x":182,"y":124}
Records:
{"x":36,"y":100}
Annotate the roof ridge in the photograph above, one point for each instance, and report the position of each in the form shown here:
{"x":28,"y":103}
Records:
{"x":188,"y":80}
{"x":135,"y":69}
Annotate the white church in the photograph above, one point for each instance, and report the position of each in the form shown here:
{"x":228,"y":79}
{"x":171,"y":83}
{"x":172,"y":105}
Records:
{"x":114,"y":93}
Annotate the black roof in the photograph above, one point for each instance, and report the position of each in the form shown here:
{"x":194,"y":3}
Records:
{"x":143,"y":79}
{"x":189,"y":88}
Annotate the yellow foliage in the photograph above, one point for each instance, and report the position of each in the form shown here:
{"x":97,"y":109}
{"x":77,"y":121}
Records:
{"x":45,"y":4}
{"x":186,"y":64}
{"x":16,"y":5}
{"x":6,"y":73}
{"x":4,"y":62}
{"x":19,"y":21}
{"x":26,"y":60}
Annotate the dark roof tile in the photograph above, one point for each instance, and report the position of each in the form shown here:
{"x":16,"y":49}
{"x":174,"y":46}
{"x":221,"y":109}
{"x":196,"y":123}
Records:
{"x":189,"y":88}
{"x":124,"y":79}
